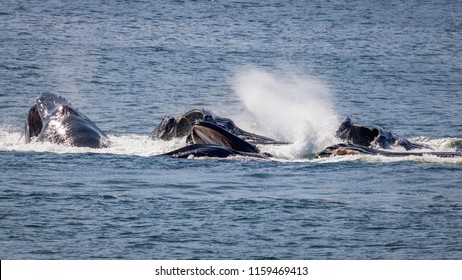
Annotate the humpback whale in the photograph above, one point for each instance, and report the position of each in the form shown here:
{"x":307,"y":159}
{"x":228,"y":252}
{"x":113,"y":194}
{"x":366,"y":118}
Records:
{"x":375,"y":137}
{"x":376,"y":141}
{"x":171,"y":127}
{"x":209,"y":135}
{"x":53,"y":119}
{"x":207,"y":139}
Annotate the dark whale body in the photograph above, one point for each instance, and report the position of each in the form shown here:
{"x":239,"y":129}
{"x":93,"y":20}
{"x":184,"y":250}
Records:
{"x":376,"y":141}
{"x":209,"y":135}
{"x":377,"y":137}
{"x":210,"y":140}
{"x":53,"y":119}
{"x":209,"y":150}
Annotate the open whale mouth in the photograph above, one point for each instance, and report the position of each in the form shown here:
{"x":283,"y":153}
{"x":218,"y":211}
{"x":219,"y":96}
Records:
{"x":46,"y":105}
{"x":34,"y":124}
{"x":204,"y":135}
{"x":209,"y":133}
{"x":38,"y":117}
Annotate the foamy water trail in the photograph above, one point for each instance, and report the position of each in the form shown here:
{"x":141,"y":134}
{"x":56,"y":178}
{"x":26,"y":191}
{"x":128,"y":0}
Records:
{"x":142,"y":145}
{"x":289,"y":107}
{"x":129,"y":144}
{"x":449,"y":144}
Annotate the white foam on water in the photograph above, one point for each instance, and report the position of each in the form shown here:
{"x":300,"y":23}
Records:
{"x":448,"y":144}
{"x":130,"y":144}
{"x":434,"y":145}
{"x":142,"y":145}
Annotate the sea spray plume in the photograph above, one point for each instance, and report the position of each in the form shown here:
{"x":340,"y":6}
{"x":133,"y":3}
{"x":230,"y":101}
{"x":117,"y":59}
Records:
{"x":289,"y":107}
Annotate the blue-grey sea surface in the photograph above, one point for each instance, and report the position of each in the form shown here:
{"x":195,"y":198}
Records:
{"x":292,"y":70}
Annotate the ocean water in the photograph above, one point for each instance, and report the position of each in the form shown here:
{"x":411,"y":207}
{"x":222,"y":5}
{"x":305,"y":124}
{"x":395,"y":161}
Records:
{"x":292,"y":70}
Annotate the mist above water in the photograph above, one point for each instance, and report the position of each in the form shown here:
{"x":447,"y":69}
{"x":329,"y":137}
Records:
{"x":291,"y":107}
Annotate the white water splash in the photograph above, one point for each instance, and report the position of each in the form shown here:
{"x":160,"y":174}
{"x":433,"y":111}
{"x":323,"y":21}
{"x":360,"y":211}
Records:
{"x":296,"y":108}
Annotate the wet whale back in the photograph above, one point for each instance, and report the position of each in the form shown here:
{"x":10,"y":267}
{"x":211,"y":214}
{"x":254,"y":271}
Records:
{"x":74,"y":130}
